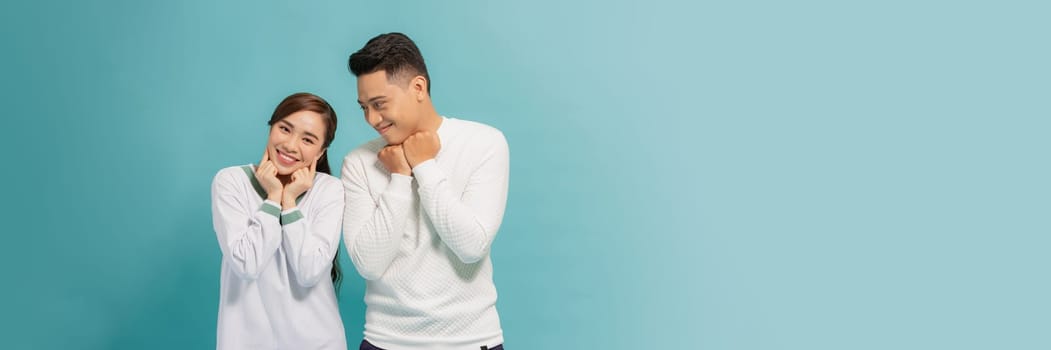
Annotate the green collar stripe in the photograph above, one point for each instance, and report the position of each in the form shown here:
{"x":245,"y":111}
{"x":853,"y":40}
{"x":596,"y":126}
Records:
{"x":259,"y":188}
{"x":255,"y":183}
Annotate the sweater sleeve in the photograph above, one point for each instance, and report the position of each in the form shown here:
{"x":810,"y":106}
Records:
{"x":467,"y":222}
{"x":311,"y":239}
{"x":373,"y":228}
{"x":247,"y":238}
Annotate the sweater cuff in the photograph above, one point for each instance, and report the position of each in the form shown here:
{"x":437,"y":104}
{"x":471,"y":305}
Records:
{"x":428,"y":173}
{"x":272,"y":208}
{"x":400,"y":185}
{"x":290,"y":216}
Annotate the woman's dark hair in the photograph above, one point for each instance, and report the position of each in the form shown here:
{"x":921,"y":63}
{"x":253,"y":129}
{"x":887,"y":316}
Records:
{"x":394,"y":53}
{"x":309,"y":102}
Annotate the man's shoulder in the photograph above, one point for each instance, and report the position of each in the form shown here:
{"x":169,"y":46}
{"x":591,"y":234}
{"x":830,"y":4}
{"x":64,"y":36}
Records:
{"x":366,"y":150}
{"x":358,"y":162}
{"x":477,"y":130}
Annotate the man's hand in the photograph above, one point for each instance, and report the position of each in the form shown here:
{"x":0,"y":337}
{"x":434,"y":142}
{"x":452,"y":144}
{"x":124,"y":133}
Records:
{"x":421,"y":147}
{"x":393,"y":158}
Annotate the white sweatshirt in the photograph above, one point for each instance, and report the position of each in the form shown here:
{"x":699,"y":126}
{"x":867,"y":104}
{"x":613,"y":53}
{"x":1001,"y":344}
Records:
{"x":275,"y":287}
{"x":422,"y":242}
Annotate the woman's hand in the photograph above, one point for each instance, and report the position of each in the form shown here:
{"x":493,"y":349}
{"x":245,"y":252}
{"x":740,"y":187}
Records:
{"x":266,"y":174}
{"x":302,"y":180}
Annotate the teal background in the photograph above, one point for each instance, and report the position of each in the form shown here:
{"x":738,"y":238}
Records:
{"x":703,"y":175}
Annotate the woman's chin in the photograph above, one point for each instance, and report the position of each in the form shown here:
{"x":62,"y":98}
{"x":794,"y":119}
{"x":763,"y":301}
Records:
{"x":282,"y":171}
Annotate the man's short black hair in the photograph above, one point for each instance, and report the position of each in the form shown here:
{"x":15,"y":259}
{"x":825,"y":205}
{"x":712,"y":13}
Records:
{"x":394,"y":53}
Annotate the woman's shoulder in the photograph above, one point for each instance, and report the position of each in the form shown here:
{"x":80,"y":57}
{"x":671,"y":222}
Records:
{"x":322,"y":180}
{"x":327,"y":186}
{"x":234,"y":173}
{"x":321,"y":177}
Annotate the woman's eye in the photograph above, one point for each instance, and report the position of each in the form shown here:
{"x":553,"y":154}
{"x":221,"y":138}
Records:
{"x":309,"y":141}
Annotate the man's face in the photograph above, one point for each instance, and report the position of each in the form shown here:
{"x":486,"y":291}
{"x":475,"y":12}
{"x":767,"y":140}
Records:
{"x":390,"y":107}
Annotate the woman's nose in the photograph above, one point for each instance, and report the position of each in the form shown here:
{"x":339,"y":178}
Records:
{"x":289,"y":146}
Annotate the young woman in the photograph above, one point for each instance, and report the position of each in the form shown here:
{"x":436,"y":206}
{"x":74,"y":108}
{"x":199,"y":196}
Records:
{"x":278,"y":225}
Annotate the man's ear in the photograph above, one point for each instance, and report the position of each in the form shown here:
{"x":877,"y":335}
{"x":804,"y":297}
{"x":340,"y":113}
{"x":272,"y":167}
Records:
{"x":419,"y":87}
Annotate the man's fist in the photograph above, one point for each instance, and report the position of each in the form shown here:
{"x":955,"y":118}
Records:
{"x":393,"y":158}
{"x":421,"y":147}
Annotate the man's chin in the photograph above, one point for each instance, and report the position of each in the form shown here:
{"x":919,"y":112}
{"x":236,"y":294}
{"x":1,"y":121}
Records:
{"x":393,"y":141}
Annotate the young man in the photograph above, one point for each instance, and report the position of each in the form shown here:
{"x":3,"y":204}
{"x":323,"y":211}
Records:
{"x":423,"y":204}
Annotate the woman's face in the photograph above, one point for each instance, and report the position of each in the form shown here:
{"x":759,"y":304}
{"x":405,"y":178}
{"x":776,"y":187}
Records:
{"x":296,"y":141}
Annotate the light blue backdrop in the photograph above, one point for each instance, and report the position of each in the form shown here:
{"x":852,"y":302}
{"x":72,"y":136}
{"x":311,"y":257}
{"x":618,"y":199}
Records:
{"x":707,"y":175}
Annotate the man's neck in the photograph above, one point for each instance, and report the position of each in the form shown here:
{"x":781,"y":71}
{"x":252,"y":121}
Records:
{"x":430,"y":121}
